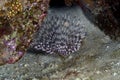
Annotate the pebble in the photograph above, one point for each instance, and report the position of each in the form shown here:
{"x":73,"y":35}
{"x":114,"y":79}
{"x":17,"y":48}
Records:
{"x":106,"y":39}
{"x":118,"y":63}
{"x":118,"y":46}
{"x":26,"y":65}
{"x":107,"y":47}
{"x":35,"y":79}
{"x":98,"y":72}
{"x":77,"y":79}
{"x":114,"y":74}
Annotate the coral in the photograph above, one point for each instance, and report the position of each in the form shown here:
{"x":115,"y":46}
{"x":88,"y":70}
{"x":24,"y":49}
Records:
{"x":19,"y":20}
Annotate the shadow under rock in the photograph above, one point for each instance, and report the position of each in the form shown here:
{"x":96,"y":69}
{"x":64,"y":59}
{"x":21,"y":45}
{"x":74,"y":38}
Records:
{"x":105,"y":14}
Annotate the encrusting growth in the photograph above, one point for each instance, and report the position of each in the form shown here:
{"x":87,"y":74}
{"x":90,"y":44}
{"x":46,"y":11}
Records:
{"x":19,"y":20}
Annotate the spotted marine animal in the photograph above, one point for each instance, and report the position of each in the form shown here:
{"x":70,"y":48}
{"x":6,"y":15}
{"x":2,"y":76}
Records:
{"x":60,"y":33}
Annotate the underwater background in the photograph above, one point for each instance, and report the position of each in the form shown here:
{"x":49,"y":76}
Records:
{"x":97,"y":59}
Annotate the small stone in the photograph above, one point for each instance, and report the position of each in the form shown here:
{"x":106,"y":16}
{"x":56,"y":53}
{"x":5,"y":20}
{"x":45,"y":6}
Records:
{"x":26,"y":65}
{"x":107,"y":47}
{"x":35,"y":79}
{"x":114,"y":74}
{"x":98,"y":72}
{"x":106,"y":39}
{"x":118,"y":63}
{"x":77,"y":79}
{"x":118,"y":46}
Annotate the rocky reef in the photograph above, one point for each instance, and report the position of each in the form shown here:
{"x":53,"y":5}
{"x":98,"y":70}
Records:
{"x":19,"y":20}
{"x":105,"y":14}
{"x":97,"y":59}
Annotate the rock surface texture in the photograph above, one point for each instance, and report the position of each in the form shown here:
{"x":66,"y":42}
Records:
{"x":97,"y":59}
{"x":19,"y":20}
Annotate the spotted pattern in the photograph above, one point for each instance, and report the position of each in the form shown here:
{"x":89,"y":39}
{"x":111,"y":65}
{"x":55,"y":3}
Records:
{"x":59,"y":34}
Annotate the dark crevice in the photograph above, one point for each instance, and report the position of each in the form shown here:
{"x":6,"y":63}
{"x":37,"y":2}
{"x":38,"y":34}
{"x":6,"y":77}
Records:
{"x":57,"y":3}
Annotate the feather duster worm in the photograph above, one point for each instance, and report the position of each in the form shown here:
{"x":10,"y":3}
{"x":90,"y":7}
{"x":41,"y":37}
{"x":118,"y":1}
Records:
{"x":60,"y":33}
{"x":19,"y":20}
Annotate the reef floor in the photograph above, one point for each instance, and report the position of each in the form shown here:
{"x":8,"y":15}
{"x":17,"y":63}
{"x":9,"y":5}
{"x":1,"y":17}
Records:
{"x":98,"y":59}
